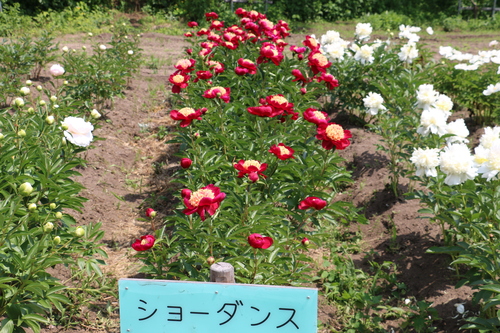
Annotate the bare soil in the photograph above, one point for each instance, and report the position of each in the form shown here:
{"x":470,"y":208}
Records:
{"x":131,"y":170}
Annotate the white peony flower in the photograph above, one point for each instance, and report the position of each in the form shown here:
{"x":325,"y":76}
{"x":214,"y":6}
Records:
{"x":444,"y":104}
{"x":334,"y":52}
{"x":130,"y":52}
{"x":363,"y":30}
{"x":24,"y":91}
{"x":56,"y":70}
{"x":489,"y":136}
{"x":373,"y":102}
{"x":492,"y":89}
{"x":408,"y":52}
{"x":480,"y":155}
{"x":493,"y":43}
{"x":102,"y":47}
{"x":364,"y":55}
{"x":460,"y":131}
{"x":466,"y":67}
{"x":490,"y":168}
{"x":425,"y":160}
{"x":330,"y":37}
{"x":446,"y":51}
{"x":457,"y":163}
{"x":426,"y":96}
{"x":78,"y":131}
{"x":430,"y":31}
{"x":432,"y":121}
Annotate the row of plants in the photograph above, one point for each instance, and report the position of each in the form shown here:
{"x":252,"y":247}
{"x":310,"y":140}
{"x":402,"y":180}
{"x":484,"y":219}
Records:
{"x":44,"y":128}
{"x":260,"y":171}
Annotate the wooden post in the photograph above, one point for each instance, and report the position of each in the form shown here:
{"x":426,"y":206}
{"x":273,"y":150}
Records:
{"x":222,"y":272}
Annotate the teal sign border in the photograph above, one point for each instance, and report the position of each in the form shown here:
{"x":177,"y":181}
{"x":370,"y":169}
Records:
{"x":163,"y":306}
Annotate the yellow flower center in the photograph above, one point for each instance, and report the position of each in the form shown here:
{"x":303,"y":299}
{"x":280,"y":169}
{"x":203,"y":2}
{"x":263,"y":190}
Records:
{"x":319,"y":115}
{"x":221,"y":91}
{"x":229,"y":35}
{"x":144,"y":241}
{"x":321,"y":59}
{"x":183,"y":63}
{"x":279,"y":99}
{"x":200,"y":194}
{"x":313,"y":41}
{"x":178,"y":78}
{"x":186,"y":111}
{"x":284,"y":150}
{"x":216,"y":22}
{"x":334,"y":132}
{"x":251,"y":163}
{"x":229,"y":44}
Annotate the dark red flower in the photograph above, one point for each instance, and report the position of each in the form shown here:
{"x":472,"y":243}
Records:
{"x":150,"y":212}
{"x":186,"y":163}
{"x":246,"y":67}
{"x":281,"y":151}
{"x":318,"y":62}
{"x":270,"y":51}
{"x":207,"y":199}
{"x":179,"y":81}
{"x":316,"y":117}
{"x":203,"y":75}
{"x":217,"y":25}
{"x":253,"y":168}
{"x":333,"y":135}
{"x":264,"y":111}
{"x":260,"y":242}
{"x":216,"y":66}
{"x":185,"y":65}
{"x":311,"y":43}
{"x":300,"y":77}
{"x":186,"y":115}
{"x":211,"y":16}
{"x":145,"y":243}
{"x":312,"y":202}
{"x":192,"y":24}
{"x":329,"y":79}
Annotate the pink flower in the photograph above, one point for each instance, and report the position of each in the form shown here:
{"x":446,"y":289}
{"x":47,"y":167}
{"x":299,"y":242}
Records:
{"x":245,"y":67}
{"x":329,"y":79}
{"x":305,"y":241}
{"x":333,"y":135}
{"x":252,"y":168}
{"x":185,"y":65}
{"x":192,"y":24}
{"x":312,"y":202}
{"x":145,"y":243}
{"x":150,"y":212}
{"x":207,"y":199}
{"x":259,"y":242}
{"x":269,"y":51}
{"x":187,"y":115}
{"x":56,"y":70}
{"x":281,"y":151}
{"x":186,"y":163}
{"x":179,"y":80}
{"x":318,"y":62}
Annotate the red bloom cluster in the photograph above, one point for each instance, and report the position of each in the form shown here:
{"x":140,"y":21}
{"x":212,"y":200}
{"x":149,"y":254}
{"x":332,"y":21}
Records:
{"x":281,"y":151}
{"x":312,"y":202}
{"x":253,"y":168}
{"x":207,"y":199}
{"x":218,"y":92}
{"x":187,"y":115}
{"x":258,"y":241}
{"x":245,"y":67}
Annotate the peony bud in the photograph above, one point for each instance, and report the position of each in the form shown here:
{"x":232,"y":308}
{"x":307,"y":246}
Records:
{"x":1,"y":136}
{"x":65,"y":82}
{"x":151,"y":213}
{"x":56,"y":70}
{"x":53,"y":98}
{"x":90,"y":34}
{"x":32,"y":207}
{"x":42,"y":102}
{"x":186,"y":163}
{"x":39,"y":88}
{"x":210,"y":260}
{"x":63,"y":141}
{"x":57,"y":240}
{"x":21,"y":133}
{"x":64,"y":126}
{"x":130,"y":52}
{"x":52,"y":206}
{"x":31,"y":110}
{"x":48,"y":227}
{"x":24,"y":91}
{"x":79,"y":232}
{"x":305,"y":241}
{"x":18,"y":101}
{"x":29,"y":83}
{"x":25,"y":189}
{"x":65,"y":49}
{"x":49,"y":120}
{"x":59,"y":215}
{"x":102,"y":47}
{"x":84,"y":47}
{"x":95,"y":114}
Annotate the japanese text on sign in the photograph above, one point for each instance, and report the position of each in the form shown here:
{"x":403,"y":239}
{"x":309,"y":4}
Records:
{"x":171,"y":306}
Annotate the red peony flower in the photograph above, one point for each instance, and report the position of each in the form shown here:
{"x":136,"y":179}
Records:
{"x":206,"y":199}
{"x":218,"y":92}
{"x":318,"y":62}
{"x":281,"y":151}
{"x":316,"y":117}
{"x":269,"y":51}
{"x":252,"y":168}
{"x":333,"y":135}
{"x":203,"y":75}
{"x":230,"y":45}
{"x":145,"y":243}
{"x":186,"y":163}
{"x":192,"y":24}
{"x":311,"y":43}
{"x":217,"y":25}
{"x":312,"y":202}
{"x":216,"y":66}
{"x":329,"y":79}
{"x":300,"y":77}
{"x":185,"y":65}
{"x":187,"y":115}
{"x":264,"y":111}
{"x":299,"y":51}
{"x":305,"y":241}
{"x":179,"y":81}
{"x":260,"y":242}
{"x":211,"y":16}
{"x":246,"y":67}
{"x":150,"y":212}
{"x":188,"y":34}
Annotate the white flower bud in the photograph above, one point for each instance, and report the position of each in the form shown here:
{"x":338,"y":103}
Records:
{"x":25,"y":189}
{"x":24,"y":91}
{"x":48,"y":227}
{"x":49,"y":120}
{"x":65,"y":49}
{"x":53,"y":98}
{"x":102,"y":47}
{"x":18,"y":101}
{"x":32,"y":207}
{"x":95,"y":114}
{"x":79,"y":232}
